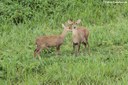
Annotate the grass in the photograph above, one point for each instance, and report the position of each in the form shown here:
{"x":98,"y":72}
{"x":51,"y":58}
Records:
{"x":22,"y":21}
{"x":107,"y":63}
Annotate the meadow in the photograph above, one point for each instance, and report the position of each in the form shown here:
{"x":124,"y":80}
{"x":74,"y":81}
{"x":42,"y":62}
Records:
{"x":22,"y":21}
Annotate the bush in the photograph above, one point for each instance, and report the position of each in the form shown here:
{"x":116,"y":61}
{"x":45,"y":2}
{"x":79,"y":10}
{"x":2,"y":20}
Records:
{"x":91,"y":12}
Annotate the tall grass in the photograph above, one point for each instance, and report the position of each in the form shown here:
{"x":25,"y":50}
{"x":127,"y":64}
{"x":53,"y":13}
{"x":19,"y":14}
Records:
{"x":108,"y":40}
{"x":90,"y":11}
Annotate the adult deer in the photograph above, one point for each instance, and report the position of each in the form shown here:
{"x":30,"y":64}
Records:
{"x":45,"y":42}
{"x":80,"y":35}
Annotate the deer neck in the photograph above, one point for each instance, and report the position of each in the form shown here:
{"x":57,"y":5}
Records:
{"x":63,"y":34}
{"x":74,"y":31}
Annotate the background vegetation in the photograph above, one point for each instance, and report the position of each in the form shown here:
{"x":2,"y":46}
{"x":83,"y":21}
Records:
{"x":21,"y":21}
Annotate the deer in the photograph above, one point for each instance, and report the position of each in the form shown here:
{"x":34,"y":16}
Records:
{"x":80,"y":35}
{"x":45,"y":42}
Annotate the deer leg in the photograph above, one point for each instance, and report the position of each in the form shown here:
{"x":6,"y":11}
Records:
{"x":58,"y":49}
{"x":88,"y":45}
{"x":79,"y":48}
{"x":84,"y":43}
{"x":74,"y":47}
{"x":37,"y":51}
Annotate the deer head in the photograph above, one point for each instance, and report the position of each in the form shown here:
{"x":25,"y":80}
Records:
{"x":73,"y":24}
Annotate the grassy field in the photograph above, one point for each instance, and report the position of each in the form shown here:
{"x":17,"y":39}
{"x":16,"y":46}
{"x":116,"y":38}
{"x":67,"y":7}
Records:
{"x":106,"y":65}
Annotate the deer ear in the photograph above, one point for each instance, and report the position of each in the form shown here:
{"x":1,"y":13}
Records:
{"x":63,"y":25}
{"x":69,"y":22}
{"x":78,"y":21}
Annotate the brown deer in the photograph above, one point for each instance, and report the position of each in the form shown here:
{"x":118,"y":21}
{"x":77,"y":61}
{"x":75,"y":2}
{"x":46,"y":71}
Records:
{"x":80,"y":35}
{"x":44,"y":42}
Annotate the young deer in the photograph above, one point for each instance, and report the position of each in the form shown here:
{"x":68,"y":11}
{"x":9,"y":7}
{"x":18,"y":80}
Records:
{"x":44,"y":42}
{"x":79,"y":34}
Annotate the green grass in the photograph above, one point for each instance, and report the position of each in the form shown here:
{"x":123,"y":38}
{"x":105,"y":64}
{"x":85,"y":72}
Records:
{"x":22,"y":21}
{"x":107,"y":63}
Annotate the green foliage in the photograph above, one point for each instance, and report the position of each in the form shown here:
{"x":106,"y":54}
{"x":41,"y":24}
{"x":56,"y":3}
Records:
{"x":92,"y":12}
{"x":21,"y":21}
{"x":107,"y":63}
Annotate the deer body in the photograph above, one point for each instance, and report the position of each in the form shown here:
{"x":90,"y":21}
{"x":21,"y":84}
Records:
{"x":79,"y":36}
{"x":44,"y":42}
